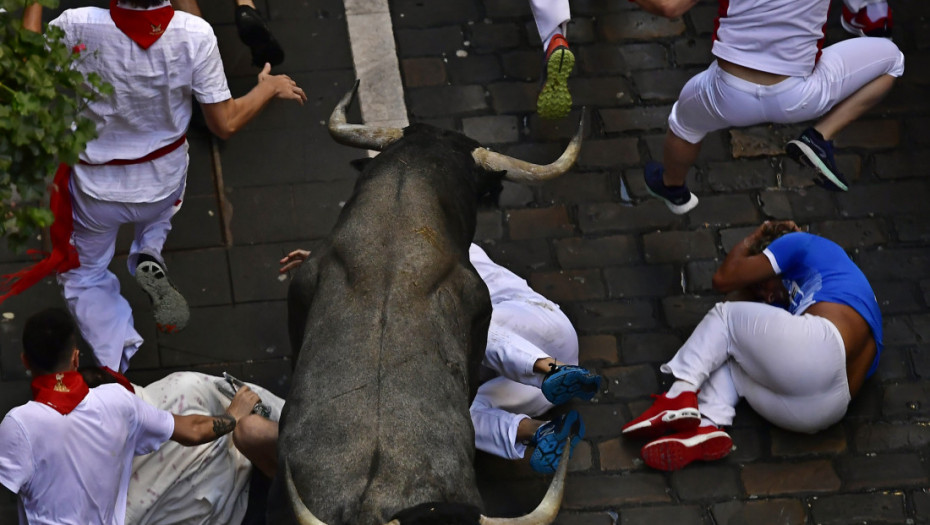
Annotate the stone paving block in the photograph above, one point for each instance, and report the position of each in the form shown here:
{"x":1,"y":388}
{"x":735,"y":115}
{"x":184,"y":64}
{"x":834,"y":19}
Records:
{"x":515,"y":195}
{"x":622,"y":58}
{"x":643,"y":281}
{"x":507,"y":9}
{"x":473,"y":69}
{"x":14,"y":393}
{"x":808,"y":205}
{"x":413,"y":13}
{"x":852,"y":234}
{"x":699,"y":275}
{"x":772,"y":479}
{"x":686,"y":311}
{"x":891,"y":199}
{"x":619,"y":454}
{"x":706,"y":481}
{"x":562,"y":130}
{"x":514,"y":97}
{"x":490,"y":225}
{"x":725,"y":210}
{"x":637,"y":25}
{"x":797,"y":176}
{"x":921,"y":504}
{"x":635,"y":118}
{"x":201,"y":275}
{"x":628,"y":382}
{"x":867,"y":405}
{"x":869,"y":134}
{"x":898,"y":329}
{"x":522,"y":64}
{"x":609,"y":153}
{"x":831,"y":441}
{"x":788,"y":512}
{"x":678,"y":246}
{"x":486,"y":37}
{"x":882,"y":471}
{"x":613,"y":316}
{"x":648,"y":348}
{"x":900,"y":164}
{"x":610,"y":490}
{"x":921,"y":359}
{"x":600,"y":92}
{"x":539,"y":222}
{"x":776,"y":204}
{"x":196,"y":225}
{"x":693,"y":51}
{"x":599,"y":252}
{"x":912,"y":227}
{"x":759,"y":141}
{"x":419,"y":72}
{"x":602,"y":421}
{"x":885,"y":437}
{"x":445,"y":100}
{"x":702,"y":18}
{"x":859,"y":508}
{"x":310,"y":41}
{"x":897,"y":296}
{"x":895,"y":263}
{"x":585,"y":518}
{"x":569,"y":285}
{"x":741,"y":175}
{"x":906,"y":401}
{"x":522,"y":257}
{"x":429,"y":41}
{"x":493,"y":129}
{"x":678,"y":514}
{"x":254,"y":270}
{"x":747,"y":444}
{"x":576,"y":188}
{"x":731,"y":236}
{"x":661,"y":85}
{"x":597,"y":350}
{"x":894,"y":364}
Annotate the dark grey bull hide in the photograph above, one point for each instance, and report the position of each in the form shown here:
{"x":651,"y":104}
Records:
{"x":390,"y":319}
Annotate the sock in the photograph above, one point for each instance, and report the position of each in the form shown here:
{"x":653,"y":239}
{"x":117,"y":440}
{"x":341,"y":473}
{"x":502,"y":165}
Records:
{"x":678,"y":387}
{"x":707,"y":423}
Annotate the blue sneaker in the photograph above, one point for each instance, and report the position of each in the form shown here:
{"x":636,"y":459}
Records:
{"x":811,"y":149}
{"x":567,"y":381}
{"x":679,"y":199}
{"x":550,"y":441}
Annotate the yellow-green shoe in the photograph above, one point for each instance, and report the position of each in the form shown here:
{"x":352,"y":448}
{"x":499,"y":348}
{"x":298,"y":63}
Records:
{"x":554,"y":101}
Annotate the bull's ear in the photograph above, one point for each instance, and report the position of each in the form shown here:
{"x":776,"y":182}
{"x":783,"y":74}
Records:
{"x":361,"y":164}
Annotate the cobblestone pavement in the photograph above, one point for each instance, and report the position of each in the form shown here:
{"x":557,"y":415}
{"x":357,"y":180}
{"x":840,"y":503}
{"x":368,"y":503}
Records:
{"x":634,"y":278}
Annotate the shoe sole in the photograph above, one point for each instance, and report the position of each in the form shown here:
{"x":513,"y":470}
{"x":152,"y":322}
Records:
{"x":804,"y":155}
{"x":261,"y":43}
{"x":569,"y":385}
{"x":555,"y":101}
{"x":675,"y":454}
{"x":677,"y":209}
{"x":547,"y":462}
{"x":168,"y":305}
{"x":670,"y":420}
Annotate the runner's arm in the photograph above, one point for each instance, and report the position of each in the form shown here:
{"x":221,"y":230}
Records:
{"x":197,"y":429}
{"x":32,"y":18}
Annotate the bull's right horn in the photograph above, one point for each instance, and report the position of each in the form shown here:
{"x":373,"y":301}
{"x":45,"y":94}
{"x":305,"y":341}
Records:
{"x":522,"y":171}
{"x":359,"y":136}
{"x":301,"y":512}
{"x":548,"y":508}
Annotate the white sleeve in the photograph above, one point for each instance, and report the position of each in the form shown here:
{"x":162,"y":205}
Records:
{"x":153,"y":426}
{"x":16,"y":465}
{"x":209,"y":79}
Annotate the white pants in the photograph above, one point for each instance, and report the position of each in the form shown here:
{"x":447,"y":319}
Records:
{"x":91,"y":290}
{"x":522,"y":330}
{"x":791,"y":369}
{"x":549,"y":15}
{"x":856,"y":5}
{"x":715,"y":99}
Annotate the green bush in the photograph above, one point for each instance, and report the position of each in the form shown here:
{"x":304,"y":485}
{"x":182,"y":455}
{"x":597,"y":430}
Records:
{"x":41,"y":97}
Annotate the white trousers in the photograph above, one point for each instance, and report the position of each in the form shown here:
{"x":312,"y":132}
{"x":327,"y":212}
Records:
{"x":715,"y":99}
{"x":790,"y":369}
{"x":91,"y":290}
{"x":549,"y":15}
{"x":856,"y":5}
{"x":522,"y":330}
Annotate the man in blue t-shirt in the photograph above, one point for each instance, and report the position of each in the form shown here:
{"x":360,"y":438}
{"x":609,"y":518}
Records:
{"x":801,"y":337}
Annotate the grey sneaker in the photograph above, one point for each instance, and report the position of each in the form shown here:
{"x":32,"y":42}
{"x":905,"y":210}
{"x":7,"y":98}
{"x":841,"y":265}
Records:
{"x":168,"y":305}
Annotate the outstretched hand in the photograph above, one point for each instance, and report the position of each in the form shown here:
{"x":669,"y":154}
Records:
{"x":293,"y":260}
{"x":283,"y":85}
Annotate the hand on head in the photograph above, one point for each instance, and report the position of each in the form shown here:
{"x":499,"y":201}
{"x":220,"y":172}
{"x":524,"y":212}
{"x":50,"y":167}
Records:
{"x":283,"y":85}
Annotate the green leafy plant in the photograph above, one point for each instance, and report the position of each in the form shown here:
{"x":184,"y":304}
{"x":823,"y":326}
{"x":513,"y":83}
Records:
{"x":41,"y":96}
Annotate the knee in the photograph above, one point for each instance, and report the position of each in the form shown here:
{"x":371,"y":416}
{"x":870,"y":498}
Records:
{"x":254,"y":432}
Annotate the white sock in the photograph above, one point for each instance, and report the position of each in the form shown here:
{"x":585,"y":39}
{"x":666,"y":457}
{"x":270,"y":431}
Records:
{"x":678,"y":387}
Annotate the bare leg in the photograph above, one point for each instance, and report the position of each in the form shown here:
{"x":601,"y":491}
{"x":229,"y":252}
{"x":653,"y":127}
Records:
{"x":526,"y":430}
{"x":257,"y":439}
{"x":678,"y":157}
{"x":851,"y":108}
{"x":249,"y":3}
{"x":188,"y":6}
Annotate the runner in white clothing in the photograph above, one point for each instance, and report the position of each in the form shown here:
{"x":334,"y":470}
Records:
{"x":770,"y":68}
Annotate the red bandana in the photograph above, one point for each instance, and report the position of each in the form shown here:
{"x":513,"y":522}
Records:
{"x":62,"y":391}
{"x":120,"y":378}
{"x":143,"y":27}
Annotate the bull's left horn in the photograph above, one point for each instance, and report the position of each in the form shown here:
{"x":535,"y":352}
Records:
{"x":301,"y":512}
{"x":359,"y":136}
{"x":522,"y":171}
{"x":548,"y":508}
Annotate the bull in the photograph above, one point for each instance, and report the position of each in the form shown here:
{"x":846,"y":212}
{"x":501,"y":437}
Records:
{"x":389,"y":320}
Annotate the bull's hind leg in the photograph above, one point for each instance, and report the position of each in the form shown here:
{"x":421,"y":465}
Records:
{"x":299,"y":298}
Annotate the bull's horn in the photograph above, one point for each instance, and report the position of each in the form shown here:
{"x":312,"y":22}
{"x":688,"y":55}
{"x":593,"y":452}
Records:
{"x":522,"y":171}
{"x":548,"y":508}
{"x":359,"y":136}
{"x":301,"y":512}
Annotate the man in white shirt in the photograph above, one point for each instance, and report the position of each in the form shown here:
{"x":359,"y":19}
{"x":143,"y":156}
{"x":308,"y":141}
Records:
{"x":68,"y":453}
{"x":135,"y":170}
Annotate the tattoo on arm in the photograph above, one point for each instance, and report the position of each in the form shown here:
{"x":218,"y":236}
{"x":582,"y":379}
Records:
{"x":223,"y":424}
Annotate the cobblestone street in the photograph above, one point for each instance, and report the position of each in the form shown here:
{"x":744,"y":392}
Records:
{"x":633,"y":278}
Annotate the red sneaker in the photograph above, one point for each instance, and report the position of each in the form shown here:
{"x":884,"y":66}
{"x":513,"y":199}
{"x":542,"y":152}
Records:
{"x":675,"y":451}
{"x":665,"y":415}
{"x":866,"y":23}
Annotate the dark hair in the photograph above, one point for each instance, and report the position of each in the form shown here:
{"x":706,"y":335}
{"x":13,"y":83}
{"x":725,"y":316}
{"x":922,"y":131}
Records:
{"x":145,"y":4}
{"x":48,"y":338}
{"x":769,"y":234}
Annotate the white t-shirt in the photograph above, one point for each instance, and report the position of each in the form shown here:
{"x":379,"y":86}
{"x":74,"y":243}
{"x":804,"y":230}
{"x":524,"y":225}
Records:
{"x":151,"y":102}
{"x":74,"y":469}
{"x":783,"y":37}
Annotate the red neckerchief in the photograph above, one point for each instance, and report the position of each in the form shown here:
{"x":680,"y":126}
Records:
{"x":143,"y":27}
{"x":62,"y":391}
{"x":120,"y":378}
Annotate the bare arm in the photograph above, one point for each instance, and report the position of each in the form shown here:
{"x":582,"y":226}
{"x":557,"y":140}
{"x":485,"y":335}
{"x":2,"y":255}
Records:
{"x":32,"y":18}
{"x":740,"y":269}
{"x":229,"y":116}
{"x":666,"y":8}
{"x":197,"y":429}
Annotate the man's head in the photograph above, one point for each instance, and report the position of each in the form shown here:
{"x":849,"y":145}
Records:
{"x":49,"y":343}
{"x":770,"y":231}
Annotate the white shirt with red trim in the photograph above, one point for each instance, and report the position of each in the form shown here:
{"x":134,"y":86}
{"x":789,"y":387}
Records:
{"x":74,"y":469}
{"x":151,"y":104}
{"x":783,"y":37}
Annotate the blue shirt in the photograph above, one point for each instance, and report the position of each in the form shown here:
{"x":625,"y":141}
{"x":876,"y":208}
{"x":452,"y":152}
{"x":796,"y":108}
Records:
{"x":814,"y":269}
